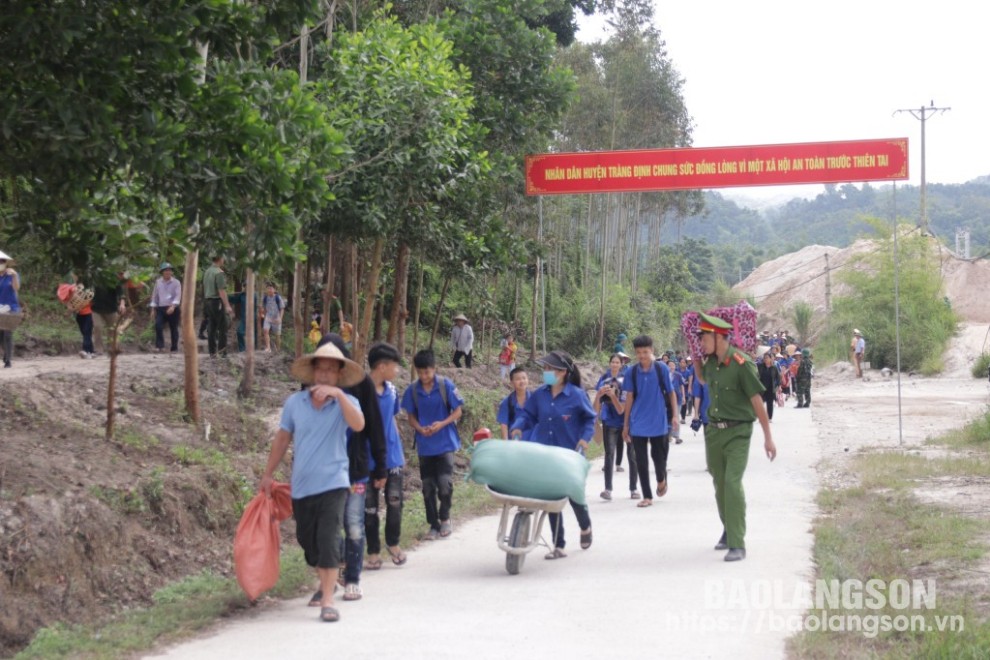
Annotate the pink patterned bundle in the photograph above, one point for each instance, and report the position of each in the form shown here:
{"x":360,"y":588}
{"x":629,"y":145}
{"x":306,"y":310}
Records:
{"x":742,"y":316}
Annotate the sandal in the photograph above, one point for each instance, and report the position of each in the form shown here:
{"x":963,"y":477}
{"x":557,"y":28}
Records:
{"x":317,"y":598}
{"x":606,"y":495}
{"x":557,"y":553}
{"x":644,"y":503}
{"x":353,"y":592}
{"x":619,"y":468}
{"x":398,"y":556}
{"x":372,"y":563}
{"x":634,"y":495}
{"x":446,"y":529}
{"x":586,"y":539}
{"x":662,"y":488}
{"x":329,"y":614}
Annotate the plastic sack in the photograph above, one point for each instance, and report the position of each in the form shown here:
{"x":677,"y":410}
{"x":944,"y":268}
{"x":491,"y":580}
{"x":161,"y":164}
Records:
{"x":529,"y":469}
{"x":258,"y":539}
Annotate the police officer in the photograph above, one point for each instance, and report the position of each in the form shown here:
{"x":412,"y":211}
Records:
{"x":735,"y":402}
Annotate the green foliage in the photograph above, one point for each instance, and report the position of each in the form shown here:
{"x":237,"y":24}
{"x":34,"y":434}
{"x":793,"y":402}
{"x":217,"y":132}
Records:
{"x":927,"y":322}
{"x":404,"y":110}
{"x":982,"y":366}
{"x":801,"y":313}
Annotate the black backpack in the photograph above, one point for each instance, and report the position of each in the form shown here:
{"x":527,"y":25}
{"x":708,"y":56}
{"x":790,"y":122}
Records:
{"x":664,"y":387}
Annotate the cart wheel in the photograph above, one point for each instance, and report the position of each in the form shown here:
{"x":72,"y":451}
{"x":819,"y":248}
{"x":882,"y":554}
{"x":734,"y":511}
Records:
{"x":518,"y":538}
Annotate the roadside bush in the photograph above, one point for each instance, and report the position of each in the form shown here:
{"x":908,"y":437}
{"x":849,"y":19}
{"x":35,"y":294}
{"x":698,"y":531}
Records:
{"x":981,"y":366}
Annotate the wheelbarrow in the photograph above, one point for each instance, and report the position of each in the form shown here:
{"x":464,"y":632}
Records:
{"x":525,"y":534}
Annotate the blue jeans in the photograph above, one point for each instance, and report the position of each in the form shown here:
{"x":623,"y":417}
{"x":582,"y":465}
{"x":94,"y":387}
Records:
{"x":354,"y":533}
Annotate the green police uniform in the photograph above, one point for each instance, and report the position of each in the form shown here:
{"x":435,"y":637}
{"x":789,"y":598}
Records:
{"x":732,"y":383}
{"x":214,"y":282}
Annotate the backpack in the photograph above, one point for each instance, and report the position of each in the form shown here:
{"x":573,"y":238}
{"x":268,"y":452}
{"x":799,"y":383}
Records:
{"x":442,"y":384}
{"x":664,"y":387}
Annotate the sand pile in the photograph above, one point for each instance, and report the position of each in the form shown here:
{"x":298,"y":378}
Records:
{"x":802,"y":276}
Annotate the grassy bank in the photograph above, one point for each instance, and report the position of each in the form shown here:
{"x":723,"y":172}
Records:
{"x":893,"y":526}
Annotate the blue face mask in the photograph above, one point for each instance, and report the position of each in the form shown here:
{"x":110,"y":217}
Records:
{"x":549,"y":378}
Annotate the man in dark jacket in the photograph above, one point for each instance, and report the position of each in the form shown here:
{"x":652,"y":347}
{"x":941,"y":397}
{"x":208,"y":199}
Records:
{"x":770,"y":377}
{"x":373,"y":437}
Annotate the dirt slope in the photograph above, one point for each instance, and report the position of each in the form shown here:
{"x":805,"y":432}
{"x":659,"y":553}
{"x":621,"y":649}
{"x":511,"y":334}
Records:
{"x":801,"y":276}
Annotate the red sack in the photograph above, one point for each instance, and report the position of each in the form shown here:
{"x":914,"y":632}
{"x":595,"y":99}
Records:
{"x":257,"y":541}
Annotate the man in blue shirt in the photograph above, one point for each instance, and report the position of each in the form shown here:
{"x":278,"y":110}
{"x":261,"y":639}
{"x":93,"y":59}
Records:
{"x":433,"y":415}
{"x":647,"y":383}
{"x":316,"y":422}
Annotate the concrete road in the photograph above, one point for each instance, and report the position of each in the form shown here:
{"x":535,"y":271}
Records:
{"x":650,"y":586}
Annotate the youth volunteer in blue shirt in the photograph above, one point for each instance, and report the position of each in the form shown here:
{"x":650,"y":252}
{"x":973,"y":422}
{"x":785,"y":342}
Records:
{"x":646,"y":415}
{"x":560,"y":415}
{"x":610,"y":402}
{"x":434,"y":422}
{"x":383,"y":361}
{"x":510,"y":407}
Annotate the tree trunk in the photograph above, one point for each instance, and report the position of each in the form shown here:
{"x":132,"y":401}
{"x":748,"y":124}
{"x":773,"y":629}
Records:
{"x":398,"y":316}
{"x":328,"y":292}
{"x":533,"y":314}
{"x":370,"y":299}
{"x":353,"y":289}
{"x":190,"y":350}
{"x":123,"y":320}
{"x":298,"y":329}
{"x":436,"y":320}
{"x":247,"y":380}
{"x":419,"y":305}
{"x":601,"y":308}
{"x":379,"y":313}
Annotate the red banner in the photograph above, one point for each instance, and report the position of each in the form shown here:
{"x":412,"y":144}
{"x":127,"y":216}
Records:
{"x":717,"y":167}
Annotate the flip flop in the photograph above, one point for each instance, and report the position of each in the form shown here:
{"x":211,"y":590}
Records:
{"x":586,"y":539}
{"x":353,"y":592}
{"x":398,"y":557}
{"x":373,"y":564}
{"x":317,"y":599}
{"x":644,"y":503}
{"x":446,"y":529}
{"x":662,"y":488}
{"x":557,"y":553}
{"x":329,"y":614}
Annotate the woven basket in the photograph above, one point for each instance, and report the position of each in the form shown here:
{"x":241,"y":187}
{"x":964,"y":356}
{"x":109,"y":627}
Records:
{"x":10,"y":321}
{"x":80,"y":298}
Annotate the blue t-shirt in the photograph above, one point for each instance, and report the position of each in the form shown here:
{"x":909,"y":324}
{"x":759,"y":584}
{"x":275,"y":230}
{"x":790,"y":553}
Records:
{"x":701,"y":391}
{"x":7,"y":294}
{"x":677,"y":380}
{"x":319,"y":438}
{"x":388,"y":403}
{"x":432,"y":409}
{"x":648,"y":417}
{"x":557,"y":421}
{"x":503,"y":412}
{"x":610,"y":417}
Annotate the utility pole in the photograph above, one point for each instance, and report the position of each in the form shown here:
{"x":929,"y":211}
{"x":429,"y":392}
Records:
{"x":922,"y":115}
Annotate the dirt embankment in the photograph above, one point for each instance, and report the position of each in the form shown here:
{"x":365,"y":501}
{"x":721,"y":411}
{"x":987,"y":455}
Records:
{"x":90,"y":527}
{"x":813,"y":273}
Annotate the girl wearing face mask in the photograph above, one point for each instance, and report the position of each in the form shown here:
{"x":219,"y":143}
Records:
{"x":10,"y":282}
{"x":560,"y":414}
